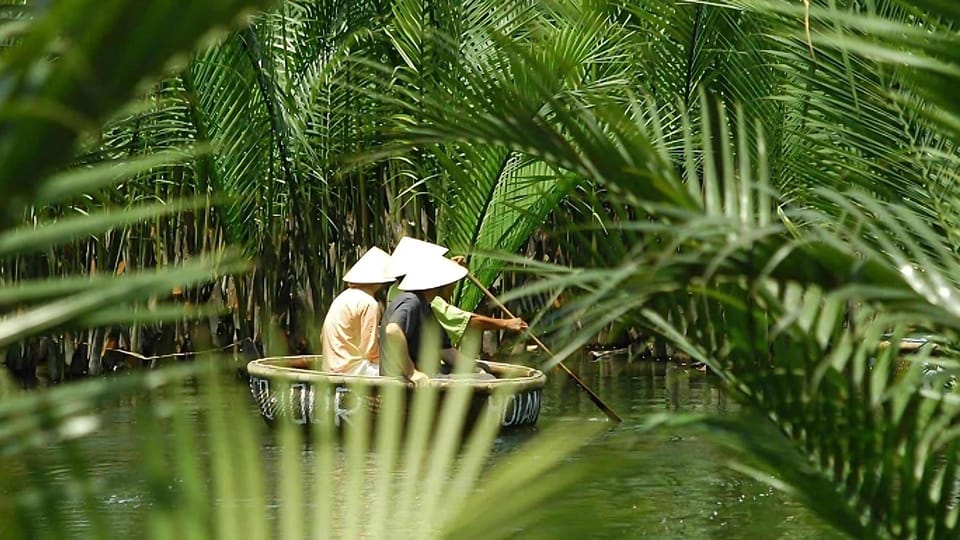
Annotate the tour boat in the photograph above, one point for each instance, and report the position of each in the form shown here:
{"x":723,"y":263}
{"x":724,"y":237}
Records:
{"x":293,"y":389}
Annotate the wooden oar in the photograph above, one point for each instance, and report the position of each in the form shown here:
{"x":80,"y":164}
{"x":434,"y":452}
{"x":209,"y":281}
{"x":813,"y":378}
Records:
{"x":573,"y":376}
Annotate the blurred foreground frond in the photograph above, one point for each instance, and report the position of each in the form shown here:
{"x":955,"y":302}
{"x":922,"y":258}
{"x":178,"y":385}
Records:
{"x":378,"y":479}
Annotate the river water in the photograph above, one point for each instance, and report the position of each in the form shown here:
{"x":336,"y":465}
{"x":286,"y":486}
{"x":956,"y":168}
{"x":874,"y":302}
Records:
{"x":671,"y":483}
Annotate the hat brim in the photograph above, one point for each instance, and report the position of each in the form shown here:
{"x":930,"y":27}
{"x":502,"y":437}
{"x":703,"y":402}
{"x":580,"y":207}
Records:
{"x":432,"y":273}
{"x":371,"y":269}
{"x":409,"y":253}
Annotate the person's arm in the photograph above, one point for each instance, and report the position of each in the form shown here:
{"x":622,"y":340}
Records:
{"x":398,"y":355}
{"x":483,"y":322}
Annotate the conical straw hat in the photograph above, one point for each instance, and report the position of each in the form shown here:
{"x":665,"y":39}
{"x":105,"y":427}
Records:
{"x":409,"y":253}
{"x":432,"y":272}
{"x":371,"y":268}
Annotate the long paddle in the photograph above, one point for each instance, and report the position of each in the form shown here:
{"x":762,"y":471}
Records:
{"x":583,"y":386}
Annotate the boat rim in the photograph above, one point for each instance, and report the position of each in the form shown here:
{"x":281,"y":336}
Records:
{"x":268,"y":368}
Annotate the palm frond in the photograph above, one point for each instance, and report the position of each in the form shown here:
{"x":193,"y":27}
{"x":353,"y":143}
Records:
{"x":234,"y":501}
{"x":112,"y":57}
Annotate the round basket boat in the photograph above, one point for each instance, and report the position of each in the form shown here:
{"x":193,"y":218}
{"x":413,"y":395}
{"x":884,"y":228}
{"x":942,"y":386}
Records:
{"x":290,"y":388}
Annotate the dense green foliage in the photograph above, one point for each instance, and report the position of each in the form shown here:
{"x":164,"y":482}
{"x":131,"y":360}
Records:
{"x":771,"y":186}
{"x":64,"y":76}
{"x":777,"y":228}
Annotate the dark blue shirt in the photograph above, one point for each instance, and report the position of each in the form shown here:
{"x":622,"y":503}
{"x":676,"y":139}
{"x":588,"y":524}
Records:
{"x":412,"y":314}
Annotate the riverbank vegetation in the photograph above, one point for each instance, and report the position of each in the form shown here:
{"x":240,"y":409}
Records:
{"x":768,"y":186}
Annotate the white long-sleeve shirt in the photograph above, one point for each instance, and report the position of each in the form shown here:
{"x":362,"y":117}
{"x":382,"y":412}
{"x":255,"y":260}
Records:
{"x":350,"y":334}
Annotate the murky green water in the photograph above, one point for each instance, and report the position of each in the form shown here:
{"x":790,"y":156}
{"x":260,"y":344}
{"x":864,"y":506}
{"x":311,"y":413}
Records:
{"x":668,"y":484}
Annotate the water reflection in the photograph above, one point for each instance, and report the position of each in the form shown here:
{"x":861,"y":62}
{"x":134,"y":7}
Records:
{"x":669,"y":483}
{"x":666,"y":484}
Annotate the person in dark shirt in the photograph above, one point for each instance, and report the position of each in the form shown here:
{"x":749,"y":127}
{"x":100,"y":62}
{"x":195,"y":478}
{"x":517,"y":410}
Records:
{"x":408,"y":324}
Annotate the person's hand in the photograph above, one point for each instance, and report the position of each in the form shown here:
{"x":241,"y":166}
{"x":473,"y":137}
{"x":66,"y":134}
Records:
{"x":515,"y":325}
{"x":419,"y":378}
{"x":460,"y":259}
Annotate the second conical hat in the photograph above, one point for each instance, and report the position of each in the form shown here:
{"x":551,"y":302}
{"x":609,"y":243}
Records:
{"x":371,"y":268}
{"x":432,"y":273}
{"x":409,"y":253}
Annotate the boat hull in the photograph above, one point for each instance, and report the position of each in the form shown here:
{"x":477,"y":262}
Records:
{"x":288,"y":389}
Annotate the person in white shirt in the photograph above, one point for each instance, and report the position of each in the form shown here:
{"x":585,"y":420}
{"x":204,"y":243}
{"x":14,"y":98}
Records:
{"x":351,"y":344}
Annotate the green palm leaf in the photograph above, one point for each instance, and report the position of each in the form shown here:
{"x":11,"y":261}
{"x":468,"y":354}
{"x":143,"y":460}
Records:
{"x":112,"y":57}
{"x":790,"y":312}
